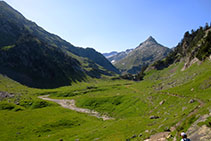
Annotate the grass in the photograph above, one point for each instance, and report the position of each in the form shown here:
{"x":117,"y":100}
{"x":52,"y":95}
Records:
{"x":6,"y":48}
{"x":25,"y":117}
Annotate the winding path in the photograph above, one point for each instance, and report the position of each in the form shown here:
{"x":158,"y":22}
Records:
{"x":70,"y":104}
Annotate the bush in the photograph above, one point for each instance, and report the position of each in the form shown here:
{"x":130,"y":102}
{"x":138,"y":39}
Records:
{"x":40,"y":104}
{"x":18,"y":108}
{"x":26,"y":103}
{"x":7,"y":106}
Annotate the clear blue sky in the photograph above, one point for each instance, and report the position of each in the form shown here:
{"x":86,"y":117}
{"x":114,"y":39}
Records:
{"x":116,"y":25}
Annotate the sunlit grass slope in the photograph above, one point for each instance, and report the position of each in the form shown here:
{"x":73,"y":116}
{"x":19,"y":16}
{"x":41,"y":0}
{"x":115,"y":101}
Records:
{"x":165,"y":94}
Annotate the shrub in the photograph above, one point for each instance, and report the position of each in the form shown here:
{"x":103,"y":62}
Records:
{"x":7,"y":106}
{"x":40,"y":104}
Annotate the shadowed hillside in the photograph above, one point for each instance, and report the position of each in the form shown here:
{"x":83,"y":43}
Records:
{"x":36,"y":58}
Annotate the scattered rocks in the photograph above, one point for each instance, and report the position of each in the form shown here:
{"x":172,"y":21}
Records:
{"x":191,"y":101}
{"x":154,"y":117}
{"x":4,"y":95}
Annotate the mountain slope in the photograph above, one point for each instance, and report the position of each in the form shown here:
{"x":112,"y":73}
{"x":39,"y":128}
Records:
{"x":146,"y":53}
{"x":37,"y":58}
{"x":167,"y":102}
{"x":195,"y":46}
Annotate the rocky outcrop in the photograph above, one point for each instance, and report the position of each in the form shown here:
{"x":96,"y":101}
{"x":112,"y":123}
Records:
{"x":200,"y":133}
{"x":4,"y":95}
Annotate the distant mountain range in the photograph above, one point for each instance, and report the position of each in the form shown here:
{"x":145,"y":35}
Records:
{"x":131,"y":60}
{"x":115,"y":56}
{"x":37,"y":58}
{"x":107,"y":55}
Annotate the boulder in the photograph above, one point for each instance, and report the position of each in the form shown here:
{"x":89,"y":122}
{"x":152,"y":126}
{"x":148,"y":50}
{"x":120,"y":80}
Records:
{"x":134,"y":136}
{"x":154,"y":117}
{"x":162,"y":102}
{"x":191,"y":101}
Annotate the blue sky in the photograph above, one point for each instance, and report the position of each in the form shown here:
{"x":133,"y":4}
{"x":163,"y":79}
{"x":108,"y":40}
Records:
{"x":116,"y":25}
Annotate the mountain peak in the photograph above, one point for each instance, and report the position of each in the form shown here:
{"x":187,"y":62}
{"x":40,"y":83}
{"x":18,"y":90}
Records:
{"x":151,"y":39}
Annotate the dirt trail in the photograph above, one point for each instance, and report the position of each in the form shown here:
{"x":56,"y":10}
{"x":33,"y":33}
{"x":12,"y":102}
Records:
{"x":70,"y":104}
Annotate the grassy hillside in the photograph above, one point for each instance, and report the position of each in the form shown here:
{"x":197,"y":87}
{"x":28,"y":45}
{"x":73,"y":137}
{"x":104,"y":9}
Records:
{"x":163,"y":94}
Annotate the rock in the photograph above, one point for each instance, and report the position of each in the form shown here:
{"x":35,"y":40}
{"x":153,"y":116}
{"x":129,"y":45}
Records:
{"x":77,"y":140}
{"x":134,"y":136}
{"x":162,"y":102}
{"x":183,"y":108}
{"x":4,"y":95}
{"x":167,"y":129}
{"x":154,"y":117}
{"x":146,"y":131}
{"x":17,"y":102}
{"x":192,"y":89}
{"x":140,"y":135}
{"x":191,"y":101}
{"x":169,"y":136}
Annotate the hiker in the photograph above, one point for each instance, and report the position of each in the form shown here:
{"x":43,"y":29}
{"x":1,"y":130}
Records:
{"x":184,"y":137}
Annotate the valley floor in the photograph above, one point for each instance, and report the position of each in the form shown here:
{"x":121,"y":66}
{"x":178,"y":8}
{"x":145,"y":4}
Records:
{"x":166,"y":103}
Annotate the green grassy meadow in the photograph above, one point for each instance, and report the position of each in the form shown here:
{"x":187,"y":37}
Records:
{"x":25,"y":117}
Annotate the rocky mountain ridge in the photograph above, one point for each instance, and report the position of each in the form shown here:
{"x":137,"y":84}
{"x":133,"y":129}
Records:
{"x":146,"y":53}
